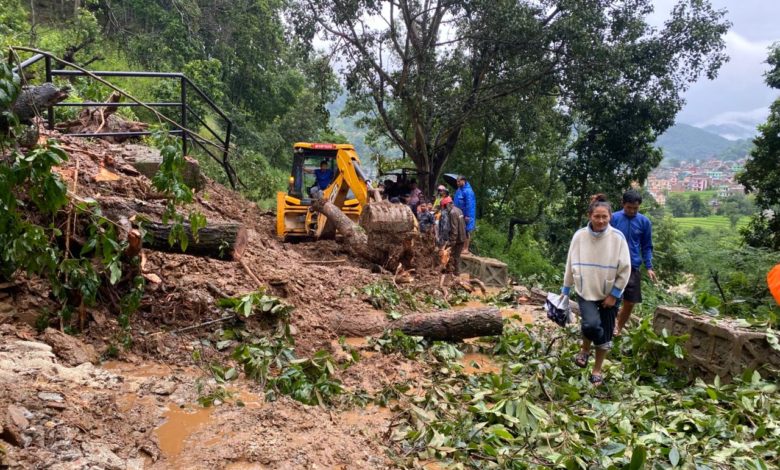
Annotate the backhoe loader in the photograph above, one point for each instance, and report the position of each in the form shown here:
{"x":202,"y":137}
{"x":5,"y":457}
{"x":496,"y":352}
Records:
{"x":331,"y":172}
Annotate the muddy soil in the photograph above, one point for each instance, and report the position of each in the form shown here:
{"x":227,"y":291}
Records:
{"x":64,"y":405}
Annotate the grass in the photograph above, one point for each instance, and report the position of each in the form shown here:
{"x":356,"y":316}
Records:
{"x":713,"y":222}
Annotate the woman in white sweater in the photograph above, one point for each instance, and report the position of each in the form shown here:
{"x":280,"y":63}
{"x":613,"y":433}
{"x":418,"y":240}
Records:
{"x":598,"y":268}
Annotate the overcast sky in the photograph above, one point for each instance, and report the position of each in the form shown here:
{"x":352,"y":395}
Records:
{"x":739,"y":93}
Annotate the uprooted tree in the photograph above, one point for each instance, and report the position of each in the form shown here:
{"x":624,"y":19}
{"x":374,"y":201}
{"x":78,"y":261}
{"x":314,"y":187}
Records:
{"x":422,"y":71}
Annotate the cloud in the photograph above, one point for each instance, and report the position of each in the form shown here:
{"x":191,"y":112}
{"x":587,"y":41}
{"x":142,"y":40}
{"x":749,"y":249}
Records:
{"x":749,"y":118}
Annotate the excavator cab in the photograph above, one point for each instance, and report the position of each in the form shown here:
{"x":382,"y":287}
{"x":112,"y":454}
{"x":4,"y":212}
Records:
{"x":345,"y":186}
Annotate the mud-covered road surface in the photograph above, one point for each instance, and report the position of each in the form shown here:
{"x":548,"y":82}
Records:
{"x":85,"y":401}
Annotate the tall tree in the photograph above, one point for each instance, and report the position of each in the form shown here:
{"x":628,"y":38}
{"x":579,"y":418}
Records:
{"x":762,"y":171}
{"x":429,"y":68}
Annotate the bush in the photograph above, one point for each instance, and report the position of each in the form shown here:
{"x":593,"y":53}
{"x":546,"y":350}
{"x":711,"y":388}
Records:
{"x":525,"y":257}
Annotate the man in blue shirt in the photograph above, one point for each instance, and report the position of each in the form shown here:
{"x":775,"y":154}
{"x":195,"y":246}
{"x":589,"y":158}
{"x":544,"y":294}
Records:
{"x":324,"y":175}
{"x":638,"y":231}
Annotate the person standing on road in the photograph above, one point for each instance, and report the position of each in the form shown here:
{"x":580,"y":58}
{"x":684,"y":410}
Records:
{"x":597,"y":267}
{"x":452,"y":233}
{"x":466,"y":201}
{"x":638,"y":231}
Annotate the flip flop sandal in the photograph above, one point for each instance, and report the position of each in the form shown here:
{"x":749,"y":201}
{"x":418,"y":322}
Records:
{"x":596,"y":379}
{"x":581,"y":359}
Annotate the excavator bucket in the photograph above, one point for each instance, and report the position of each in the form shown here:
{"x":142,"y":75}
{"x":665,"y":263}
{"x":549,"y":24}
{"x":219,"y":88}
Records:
{"x":386,"y":217}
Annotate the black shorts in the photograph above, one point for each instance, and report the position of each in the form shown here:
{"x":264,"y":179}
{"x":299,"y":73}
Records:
{"x":633,"y":290}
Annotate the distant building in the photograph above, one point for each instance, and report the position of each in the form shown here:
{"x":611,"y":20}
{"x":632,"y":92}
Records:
{"x":698,"y":183}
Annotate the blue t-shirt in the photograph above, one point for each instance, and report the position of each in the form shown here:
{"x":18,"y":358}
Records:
{"x":324,"y":177}
{"x":638,"y":231}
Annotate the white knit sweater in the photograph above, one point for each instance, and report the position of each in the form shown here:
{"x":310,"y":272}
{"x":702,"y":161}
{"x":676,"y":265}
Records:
{"x":598,"y":264}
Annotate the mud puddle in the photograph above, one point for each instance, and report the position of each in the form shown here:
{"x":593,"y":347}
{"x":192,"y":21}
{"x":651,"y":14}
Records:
{"x":179,"y":425}
{"x":479,"y":363}
{"x":372,"y":415}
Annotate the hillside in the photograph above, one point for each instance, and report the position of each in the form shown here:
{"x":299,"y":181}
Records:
{"x":685,"y":142}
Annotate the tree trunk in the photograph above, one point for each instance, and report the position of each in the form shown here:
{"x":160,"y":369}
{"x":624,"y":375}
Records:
{"x":386,"y":233}
{"x":452,"y":325}
{"x":217,"y":240}
{"x":344,"y":225}
{"x":34,"y":100}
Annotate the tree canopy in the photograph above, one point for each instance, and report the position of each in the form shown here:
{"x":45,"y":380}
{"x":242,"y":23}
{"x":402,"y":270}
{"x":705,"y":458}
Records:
{"x":762,"y":171}
{"x":427,"y":70}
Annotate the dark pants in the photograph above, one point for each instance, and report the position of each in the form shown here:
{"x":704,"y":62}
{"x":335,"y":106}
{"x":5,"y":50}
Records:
{"x":454,"y":265}
{"x":598,"y":322}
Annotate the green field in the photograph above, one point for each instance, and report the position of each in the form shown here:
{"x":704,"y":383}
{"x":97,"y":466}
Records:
{"x":717,"y":222}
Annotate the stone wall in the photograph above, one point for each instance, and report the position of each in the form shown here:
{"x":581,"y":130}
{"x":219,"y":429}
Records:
{"x":718,"y":346}
{"x":488,"y":270}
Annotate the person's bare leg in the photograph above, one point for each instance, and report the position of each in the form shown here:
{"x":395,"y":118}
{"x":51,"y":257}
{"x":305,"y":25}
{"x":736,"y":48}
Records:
{"x":585,"y":346}
{"x":600,"y":355}
{"x":466,"y":245}
{"x":623,"y":316}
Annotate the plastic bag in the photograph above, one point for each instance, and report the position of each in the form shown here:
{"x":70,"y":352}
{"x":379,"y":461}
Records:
{"x":558,"y":309}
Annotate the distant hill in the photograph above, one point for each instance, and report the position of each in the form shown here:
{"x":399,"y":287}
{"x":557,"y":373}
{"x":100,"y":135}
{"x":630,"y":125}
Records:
{"x":685,"y":142}
{"x":732,"y":131}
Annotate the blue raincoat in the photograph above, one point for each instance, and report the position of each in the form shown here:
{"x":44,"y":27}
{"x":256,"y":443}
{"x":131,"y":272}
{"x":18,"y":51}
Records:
{"x":466,"y":201}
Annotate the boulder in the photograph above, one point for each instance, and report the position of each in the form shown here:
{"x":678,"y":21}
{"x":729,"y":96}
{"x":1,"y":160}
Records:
{"x":69,"y":349}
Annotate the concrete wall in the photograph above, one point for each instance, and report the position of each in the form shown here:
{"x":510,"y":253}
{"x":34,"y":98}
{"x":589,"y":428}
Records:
{"x":717,"y":346}
{"x":488,"y":270}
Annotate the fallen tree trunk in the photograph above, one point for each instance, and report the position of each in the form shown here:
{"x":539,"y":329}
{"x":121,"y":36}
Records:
{"x":385,"y":235}
{"x":216,"y":240}
{"x":355,"y":238}
{"x":452,"y":325}
{"x":33,"y":101}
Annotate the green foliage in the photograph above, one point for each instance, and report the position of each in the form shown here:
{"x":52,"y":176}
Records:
{"x":717,"y":259}
{"x":542,"y":413}
{"x":272,"y":362}
{"x":257,"y":302}
{"x":396,"y":341}
{"x":215,"y":397}
{"x":525,"y":257}
{"x":761,"y":174}
{"x":169,"y":180}
{"x":382,"y":295}
{"x":668,"y":253}
{"x":13,"y":23}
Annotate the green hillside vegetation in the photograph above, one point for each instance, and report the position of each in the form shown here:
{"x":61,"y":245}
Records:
{"x":684,"y":142}
{"x":713,"y":222}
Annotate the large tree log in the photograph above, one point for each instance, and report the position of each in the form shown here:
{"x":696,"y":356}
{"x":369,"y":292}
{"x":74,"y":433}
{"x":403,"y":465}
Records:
{"x":452,"y":325}
{"x":216,"y":240}
{"x":385,"y":235}
{"x":35,"y":99}
{"x":354,"y":236}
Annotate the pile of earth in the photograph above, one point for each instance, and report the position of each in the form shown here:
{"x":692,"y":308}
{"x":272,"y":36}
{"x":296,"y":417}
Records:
{"x":63,"y":406}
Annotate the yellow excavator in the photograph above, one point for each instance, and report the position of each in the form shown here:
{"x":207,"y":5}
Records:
{"x":321,"y":170}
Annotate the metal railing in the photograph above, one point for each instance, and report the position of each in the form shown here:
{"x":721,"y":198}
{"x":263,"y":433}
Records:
{"x":217,"y":146}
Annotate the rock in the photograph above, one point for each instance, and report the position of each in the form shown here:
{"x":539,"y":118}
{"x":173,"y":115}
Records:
{"x":71,"y":350}
{"x":100,"y":455}
{"x":522,"y":291}
{"x":135,"y":464}
{"x":51,"y":396}
{"x":163,"y":387}
{"x":18,"y":416}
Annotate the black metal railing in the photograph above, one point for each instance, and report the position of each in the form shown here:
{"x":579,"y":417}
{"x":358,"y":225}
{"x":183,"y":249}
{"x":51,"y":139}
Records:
{"x":216,"y":146}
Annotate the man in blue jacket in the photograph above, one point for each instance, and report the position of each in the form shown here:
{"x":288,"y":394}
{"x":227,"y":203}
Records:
{"x":638,"y":231}
{"x":466,"y":201}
